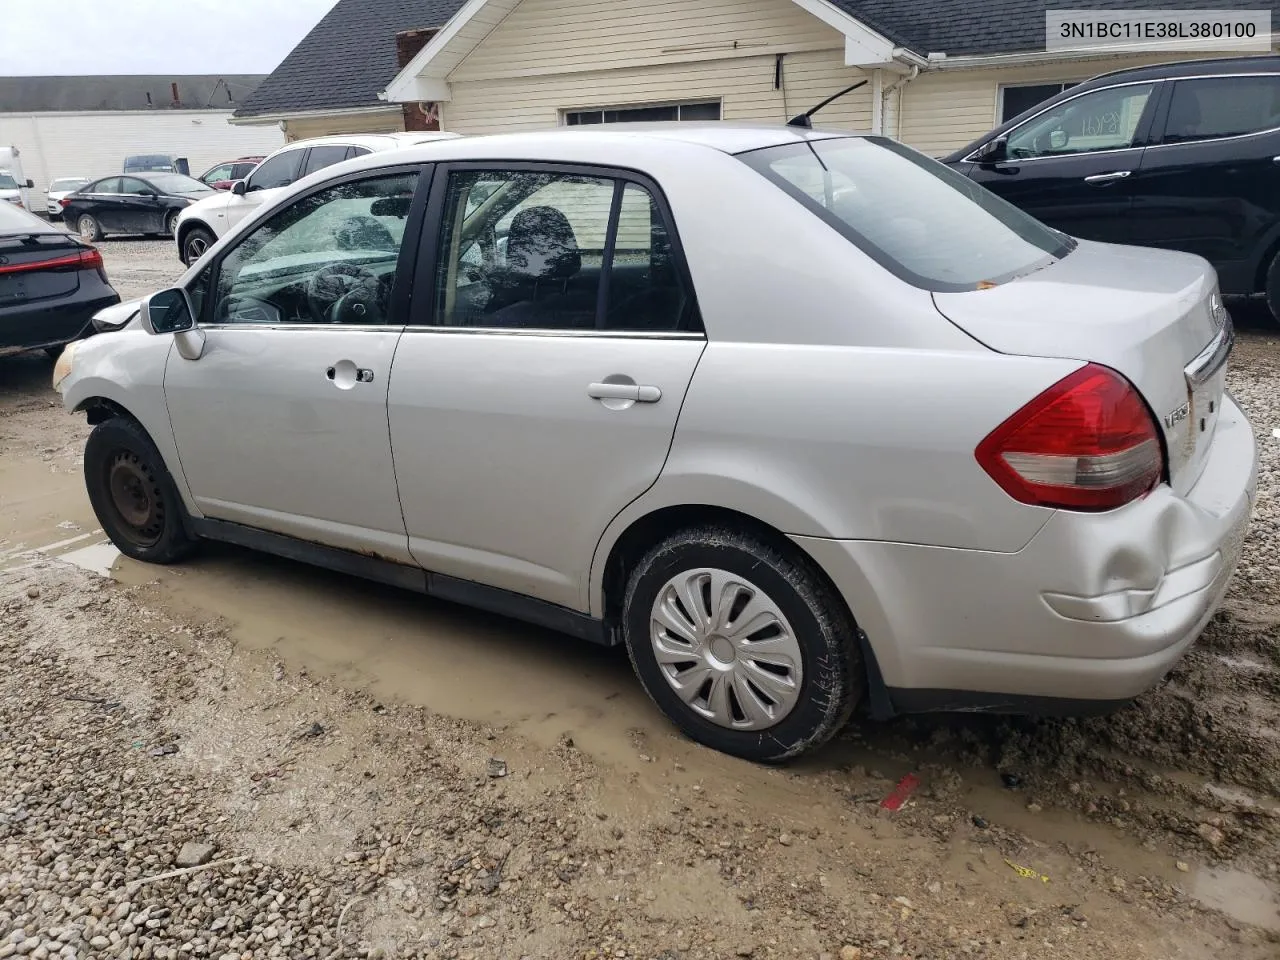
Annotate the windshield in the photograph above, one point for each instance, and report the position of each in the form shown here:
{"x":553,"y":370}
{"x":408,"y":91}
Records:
{"x":70,"y":183}
{"x":925,"y":223}
{"x":177,"y":183}
{"x":7,"y":182}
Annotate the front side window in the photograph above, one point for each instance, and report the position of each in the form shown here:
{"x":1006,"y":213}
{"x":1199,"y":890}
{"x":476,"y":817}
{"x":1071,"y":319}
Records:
{"x":279,"y":171}
{"x":1101,"y":120}
{"x":525,"y":250}
{"x":330,"y":257}
{"x":1222,"y":107}
{"x":925,"y":223}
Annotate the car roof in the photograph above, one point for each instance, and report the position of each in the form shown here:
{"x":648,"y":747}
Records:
{"x":730,"y":138}
{"x":1189,"y":68}
{"x":375,"y":141}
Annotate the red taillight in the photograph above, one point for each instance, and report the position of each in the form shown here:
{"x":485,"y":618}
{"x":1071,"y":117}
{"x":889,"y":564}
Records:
{"x":1086,"y":443}
{"x":64,"y":202}
{"x":90,"y":258}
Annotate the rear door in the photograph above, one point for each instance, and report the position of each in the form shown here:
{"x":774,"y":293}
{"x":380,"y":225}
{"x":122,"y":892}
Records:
{"x":1070,"y":166}
{"x":324,"y":155}
{"x":104,"y":203}
{"x":536,"y":390}
{"x":139,"y":207}
{"x":1211,"y":185}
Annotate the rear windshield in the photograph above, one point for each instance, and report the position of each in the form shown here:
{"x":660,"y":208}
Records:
{"x":16,"y":220}
{"x":919,"y":219}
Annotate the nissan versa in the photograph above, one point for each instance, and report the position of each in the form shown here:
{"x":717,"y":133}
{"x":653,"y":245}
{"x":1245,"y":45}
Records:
{"x":924,"y":453}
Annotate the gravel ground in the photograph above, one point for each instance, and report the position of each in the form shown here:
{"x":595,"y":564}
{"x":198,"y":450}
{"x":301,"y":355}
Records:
{"x":316,"y":817}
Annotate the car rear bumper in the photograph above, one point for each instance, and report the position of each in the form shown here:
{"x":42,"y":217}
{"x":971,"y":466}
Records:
{"x":51,"y":323}
{"x":1096,"y":609}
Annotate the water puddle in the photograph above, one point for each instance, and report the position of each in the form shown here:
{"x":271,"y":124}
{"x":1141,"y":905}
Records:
{"x":1239,"y":895}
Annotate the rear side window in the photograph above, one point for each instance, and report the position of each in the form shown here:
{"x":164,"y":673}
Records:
{"x":326,"y":156}
{"x":280,"y":171}
{"x":922,"y":221}
{"x":1222,"y":107}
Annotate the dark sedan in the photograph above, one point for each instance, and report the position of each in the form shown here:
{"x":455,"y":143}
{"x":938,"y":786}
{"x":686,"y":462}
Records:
{"x":131,"y":204}
{"x":51,"y":284}
{"x":1184,"y":156}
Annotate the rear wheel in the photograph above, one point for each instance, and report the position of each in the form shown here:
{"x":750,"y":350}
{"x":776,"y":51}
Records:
{"x":742,"y":643}
{"x":133,"y":495}
{"x":1273,"y":288}
{"x":195,"y":243}
{"x":88,"y":227}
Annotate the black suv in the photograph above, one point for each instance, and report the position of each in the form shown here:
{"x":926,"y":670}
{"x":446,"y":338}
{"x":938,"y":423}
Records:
{"x":1182,"y":155}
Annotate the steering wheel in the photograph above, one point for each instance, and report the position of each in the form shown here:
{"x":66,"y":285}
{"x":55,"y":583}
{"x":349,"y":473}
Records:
{"x":345,"y":293}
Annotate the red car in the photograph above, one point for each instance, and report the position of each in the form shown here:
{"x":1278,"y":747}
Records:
{"x":224,"y":175}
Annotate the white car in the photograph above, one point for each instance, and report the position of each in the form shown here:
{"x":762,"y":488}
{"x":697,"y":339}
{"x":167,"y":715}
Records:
{"x":11,"y":189}
{"x":802,"y":419}
{"x":59,"y":189}
{"x":204,"y":223}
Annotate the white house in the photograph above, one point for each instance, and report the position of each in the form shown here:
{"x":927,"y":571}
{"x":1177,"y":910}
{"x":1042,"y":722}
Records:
{"x":86,"y":126}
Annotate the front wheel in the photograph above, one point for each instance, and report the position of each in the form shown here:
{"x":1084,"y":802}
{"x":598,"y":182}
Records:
{"x":742,"y":643}
{"x":133,"y":495}
{"x":171,"y":224}
{"x":195,"y":243}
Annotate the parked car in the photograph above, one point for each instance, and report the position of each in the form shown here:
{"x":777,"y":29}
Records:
{"x":131,"y":204}
{"x":16,"y":187}
{"x":224,"y":175}
{"x":200,"y":226}
{"x":59,"y":189}
{"x":927,"y":454}
{"x":157,"y":163}
{"x":51,"y":284}
{"x":1181,"y":156}
{"x":11,"y":190}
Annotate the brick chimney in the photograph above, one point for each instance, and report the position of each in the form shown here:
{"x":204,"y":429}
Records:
{"x":409,"y":43}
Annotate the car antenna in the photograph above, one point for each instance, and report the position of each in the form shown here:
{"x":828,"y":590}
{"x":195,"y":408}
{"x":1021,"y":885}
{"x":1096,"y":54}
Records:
{"x":805,"y":119}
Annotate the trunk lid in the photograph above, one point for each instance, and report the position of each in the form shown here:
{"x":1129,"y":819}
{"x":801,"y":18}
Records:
{"x":24,"y":279}
{"x":1153,"y":315}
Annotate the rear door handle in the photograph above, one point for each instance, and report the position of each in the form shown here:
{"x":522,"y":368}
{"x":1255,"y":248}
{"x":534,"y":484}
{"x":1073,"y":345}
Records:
{"x":1108,"y":177}
{"x":624,"y":391}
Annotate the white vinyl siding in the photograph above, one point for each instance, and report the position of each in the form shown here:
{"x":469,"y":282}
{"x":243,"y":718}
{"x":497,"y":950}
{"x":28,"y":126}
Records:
{"x":944,"y":110}
{"x":95,"y":144}
{"x":744,"y":86}
{"x":307,"y":128}
{"x":541,"y":37}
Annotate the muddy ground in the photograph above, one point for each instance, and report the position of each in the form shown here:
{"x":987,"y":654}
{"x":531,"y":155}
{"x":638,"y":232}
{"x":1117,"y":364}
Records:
{"x":376,"y":774}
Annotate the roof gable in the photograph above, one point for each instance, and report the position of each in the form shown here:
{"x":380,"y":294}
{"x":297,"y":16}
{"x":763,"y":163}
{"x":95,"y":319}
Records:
{"x":347,"y":59}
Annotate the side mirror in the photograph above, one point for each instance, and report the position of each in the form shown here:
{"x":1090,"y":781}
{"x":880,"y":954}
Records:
{"x":993,"y":151}
{"x":1058,"y":140}
{"x":31,"y":184}
{"x":169,"y":311}
{"x":241,"y":188}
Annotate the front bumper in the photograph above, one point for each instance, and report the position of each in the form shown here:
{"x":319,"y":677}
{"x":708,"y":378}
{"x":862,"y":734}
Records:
{"x":1096,"y":609}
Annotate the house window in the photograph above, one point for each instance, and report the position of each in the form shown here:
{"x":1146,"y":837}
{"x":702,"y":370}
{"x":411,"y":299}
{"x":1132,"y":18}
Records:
{"x":698,"y":110}
{"x":1014,"y":100}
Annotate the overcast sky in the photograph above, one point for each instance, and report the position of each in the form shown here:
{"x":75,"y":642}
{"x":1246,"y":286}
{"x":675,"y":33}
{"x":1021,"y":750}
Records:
{"x":70,"y":37}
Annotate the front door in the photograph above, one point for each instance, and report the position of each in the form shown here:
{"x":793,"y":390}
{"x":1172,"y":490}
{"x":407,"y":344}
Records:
{"x":1211,"y":185}
{"x":139,"y":209}
{"x":1071,"y":166}
{"x":281,"y":424}
{"x":536,"y":390}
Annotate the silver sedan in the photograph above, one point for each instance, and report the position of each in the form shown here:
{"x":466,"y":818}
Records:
{"x":804,"y":420}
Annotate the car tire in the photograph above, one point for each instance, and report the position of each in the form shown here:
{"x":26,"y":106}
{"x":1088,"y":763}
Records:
{"x":89,"y":229}
{"x":195,"y":243}
{"x":762,"y":704}
{"x":133,"y":494}
{"x":1273,"y":288}
{"x":171,"y":224}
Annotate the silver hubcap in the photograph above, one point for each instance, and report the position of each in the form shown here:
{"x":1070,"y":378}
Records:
{"x":196,"y":248}
{"x":726,"y":649}
{"x":86,"y":228}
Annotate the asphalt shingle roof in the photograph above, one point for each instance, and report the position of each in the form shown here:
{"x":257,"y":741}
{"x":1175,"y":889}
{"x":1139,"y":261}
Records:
{"x":347,"y":59}
{"x":959,"y":27}
{"x":89,"y":94}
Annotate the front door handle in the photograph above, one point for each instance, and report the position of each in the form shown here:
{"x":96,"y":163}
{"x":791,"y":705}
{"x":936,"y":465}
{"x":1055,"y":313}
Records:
{"x":1108,"y":177}
{"x":636,"y":393}
{"x":346,"y":374}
